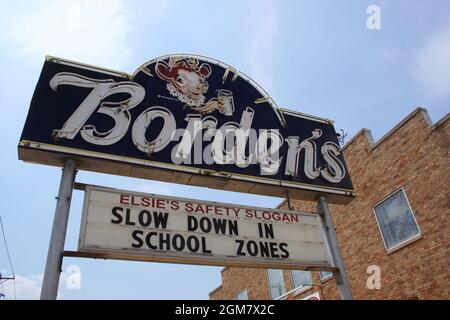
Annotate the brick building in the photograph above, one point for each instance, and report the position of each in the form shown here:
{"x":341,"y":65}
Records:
{"x":398,"y":222}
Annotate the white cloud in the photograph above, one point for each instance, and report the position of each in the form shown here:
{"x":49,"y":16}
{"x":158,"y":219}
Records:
{"x":263,"y":34}
{"x":432,"y":68}
{"x":27,"y":288}
{"x":93,"y":32}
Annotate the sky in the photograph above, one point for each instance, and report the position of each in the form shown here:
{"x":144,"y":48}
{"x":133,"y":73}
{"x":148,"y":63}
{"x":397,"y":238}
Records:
{"x":317,"y":57}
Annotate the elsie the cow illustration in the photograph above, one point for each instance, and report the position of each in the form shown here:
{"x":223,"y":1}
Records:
{"x":187,"y":81}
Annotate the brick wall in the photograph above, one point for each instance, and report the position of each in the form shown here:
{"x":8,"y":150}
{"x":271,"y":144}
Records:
{"x":415,"y":156}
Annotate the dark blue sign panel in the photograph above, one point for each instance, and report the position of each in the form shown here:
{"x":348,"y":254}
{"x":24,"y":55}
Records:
{"x":183,"y":119}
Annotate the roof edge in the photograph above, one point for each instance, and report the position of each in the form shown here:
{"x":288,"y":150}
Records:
{"x":419,"y":110}
{"x":215,"y":289}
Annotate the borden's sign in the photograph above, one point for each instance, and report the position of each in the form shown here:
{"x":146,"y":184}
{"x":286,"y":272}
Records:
{"x":183,"y":119}
{"x":127,"y":225}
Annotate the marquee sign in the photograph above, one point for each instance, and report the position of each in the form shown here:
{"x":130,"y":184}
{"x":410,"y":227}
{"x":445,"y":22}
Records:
{"x":120,"y":224}
{"x":183,"y":119}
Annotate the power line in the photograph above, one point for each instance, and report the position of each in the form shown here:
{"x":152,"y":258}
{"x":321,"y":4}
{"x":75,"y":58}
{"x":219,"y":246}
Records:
{"x":13,"y":278}
{"x":6,"y":246}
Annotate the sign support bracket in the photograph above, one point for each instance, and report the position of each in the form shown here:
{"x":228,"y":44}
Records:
{"x":288,"y":201}
{"x":58,"y":237}
{"x":339,"y":275}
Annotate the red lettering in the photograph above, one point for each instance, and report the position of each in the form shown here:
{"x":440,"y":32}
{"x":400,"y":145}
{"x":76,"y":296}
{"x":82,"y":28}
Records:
{"x":235,"y":211}
{"x":145,"y":202}
{"x":199,"y":209}
{"x":124,"y":199}
{"x":133,"y":202}
{"x":266,"y":215}
{"x":174,"y":205}
{"x":218,"y":210}
{"x":276,"y":216}
{"x":160,"y":203}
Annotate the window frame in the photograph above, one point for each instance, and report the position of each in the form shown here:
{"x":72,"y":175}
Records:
{"x":303,"y":287}
{"x":328,"y":277}
{"x":243,"y":290}
{"x":269,"y":286}
{"x":404,"y":242}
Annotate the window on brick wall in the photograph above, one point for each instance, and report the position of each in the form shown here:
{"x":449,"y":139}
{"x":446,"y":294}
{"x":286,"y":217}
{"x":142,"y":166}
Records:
{"x":325,"y":275}
{"x":301,"y":278}
{"x":243,"y":295}
{"x":276,"y":283}
{"x":396,"y":220}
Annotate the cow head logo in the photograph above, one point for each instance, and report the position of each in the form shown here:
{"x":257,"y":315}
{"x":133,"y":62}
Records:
{"x":187,"y":80}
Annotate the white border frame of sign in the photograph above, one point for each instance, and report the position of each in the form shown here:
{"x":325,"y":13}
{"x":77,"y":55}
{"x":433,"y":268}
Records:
{"x":137,"y":255}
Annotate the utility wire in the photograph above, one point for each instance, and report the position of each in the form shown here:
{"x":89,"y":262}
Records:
{"x":9,"y":257}
{"x":6,"y":246}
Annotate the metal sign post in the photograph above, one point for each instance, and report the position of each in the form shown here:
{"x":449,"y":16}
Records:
{"x":340,"y":276}
{"x":58,"y":236}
